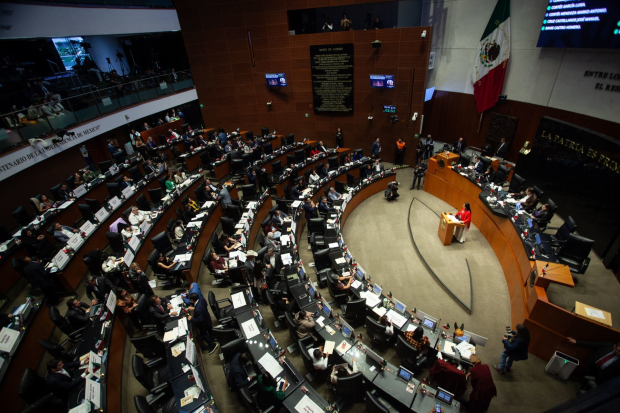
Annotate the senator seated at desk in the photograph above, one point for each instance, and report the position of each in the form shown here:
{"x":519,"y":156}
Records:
{"x":62,"y":378}
{"x":63,"y":232}
{"x":325,"y":208}
{"x":97,"y":288}
{"x":77,"y":313}
{"x":160,"y":310}
{"x":528,"y":198}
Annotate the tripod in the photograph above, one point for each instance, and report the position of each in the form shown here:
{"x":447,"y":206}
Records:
{"x":119,"y":59}
{"x":110,"y":67}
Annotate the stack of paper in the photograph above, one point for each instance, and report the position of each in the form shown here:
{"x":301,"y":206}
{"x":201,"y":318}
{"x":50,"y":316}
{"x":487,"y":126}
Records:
{"x":196,"y":224}
{"x":295,"y":204}
{"x":171,"y":335}
{"x":380,"y":311}
{"x":356,"y":284}
{"x":371,"y":298}
{"x":250,"y":329}
{"x":340,"y":260}
{"x":411,"y":327}
{"x":306,"y":405}
{"x":449,"y":348}
{"x":286,"y":259}
{"x":207,"y":205}
{"x":466,"y":349}
{"x":270,"y":364}
{"x":397,"y":319}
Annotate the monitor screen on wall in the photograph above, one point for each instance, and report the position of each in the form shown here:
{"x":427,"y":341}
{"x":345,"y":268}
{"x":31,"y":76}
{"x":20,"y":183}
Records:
{"x":591,"y":24}
{"x":382,"y":81}
{"x":275,"y":79}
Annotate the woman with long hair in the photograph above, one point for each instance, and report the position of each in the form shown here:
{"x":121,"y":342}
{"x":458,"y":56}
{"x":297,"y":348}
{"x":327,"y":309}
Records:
{"x":515,"y":348}
{"x":465,"y":216}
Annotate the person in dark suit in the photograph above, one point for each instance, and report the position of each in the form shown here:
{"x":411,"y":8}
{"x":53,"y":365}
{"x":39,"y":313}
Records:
{"x":160,"y":310}
{"x":429,"y":147}
{"x":78,"y":313}
{"x":63,"y":193}
{"x":515,"y":348}
{"x":542,"y":214}
{"x":174,"y":77}
{"x":528,"y":198}
{"x":321,"y":170}
{"x":113,"y":149}
{"x":418,"y":174}
{"x":202,"y":320}
{"x":149,"y":168}
{"x":310,"y":208}
{"x":324,"y":206}
{"x":237,"y":375}
{"x":604,"y":361}
{"x":35,"y":273}
{"x":60,"y":381}
{"x":366,"y":171}
{"x":501,"y":149}
{"x":63,"y":232}
{"x":278,"y":218}
{"x":489,"y":174}
{"x":127,"y":181}
{"x":97,"y":288}
{"x":459,"y":146}
{"x":272,"y":260}
{"x":478,"y":166}
{"x":487,"y":149}
{"x":295,"y":193}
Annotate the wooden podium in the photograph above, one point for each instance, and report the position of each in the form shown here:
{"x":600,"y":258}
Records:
{"x":446,"y":228}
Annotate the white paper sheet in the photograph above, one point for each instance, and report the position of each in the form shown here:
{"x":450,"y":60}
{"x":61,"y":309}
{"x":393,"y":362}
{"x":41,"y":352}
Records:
{"x":320,"y":320}
{"x":171,"y":335}
{"x":306,"y":405}
{"x":270,"y":364}
{"x":371,"y":298}
{"x":380,"y":311}
{"x":595,"y":313}
{"x":190,"y":351}
{"x":328,"y":348}
{"x":197,"y":378}
{"x":238,"y":299}
{"x":295,"y":204}
{"x":356,"y":284}
{"x":87,"y":228}
{"x":92,"y":392}
{"x":250,"y":328}
{"x":397,"y":319}
{"x":8,"y":337}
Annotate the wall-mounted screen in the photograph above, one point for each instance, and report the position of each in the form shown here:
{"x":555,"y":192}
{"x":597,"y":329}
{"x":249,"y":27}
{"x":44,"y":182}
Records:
{"x":382,"y":81}
{"x":588,"y":24}
{"x":275,"y":79}
{"x":389,"y":109}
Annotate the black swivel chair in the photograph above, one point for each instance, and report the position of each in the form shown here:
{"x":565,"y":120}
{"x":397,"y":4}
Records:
{"x":93,"y":267}
{"x":168,"y":405}
{"x":354,"y":311}
{"x":162,"y":183}
{"x":54,"y":191}
{"x":87,"y":214}
{"x":135,"y":174}
{"x":93,"y":204}
{"x":316,"y":226}
{"x":317,"y":242}
{"x":116,"y":243}
{"x":228,"y":225}
{"x":155,"y":195}
{"x":119,"y":158}
{"x":222,"y":314}
{"x":322,"y":266}
{"x":237,"y":168}
{"x":249,"y":193}
{"x":292,"y":326}
{"x":278,"y":314}
{"x":501,"y":174}
{"x":516,"y":184}
{"x":64,"y":326}
{"x":464,"y":160}
{"x":164,"y":278}
{"x":119,"y":179}
{"x":162,"y":244}
{"x":32,"y":387}
{"x":34,"y":205}
{"x":374,"y":405}
{"x":60,"y":352}
{"x":21,"y":216}
{"x":225,"y":335}
{"x":142,"y":203}
{"x":542,"y":224}
{"x":337,"y":295}
{"x":410,"y":358}
{"x":339,"y":186}
{"x":114,"y":190}
{"x":250,"y":402}
{"x":105,"y":166}
{"x":351,"y":181}
{"x":152,"y":375}
{"x":47,"y":404}
{"x":376,"y":332}
{"x":561,"y":236}
{"x":333,"y":163}
{"x":486,"y":162}
{"x":539,"y":193}
{"x":150,"y":345}
{"x":247,"y":159}
{"x":348,"y":387}
{"x":276,"y":168}
{"x":574,"y":253}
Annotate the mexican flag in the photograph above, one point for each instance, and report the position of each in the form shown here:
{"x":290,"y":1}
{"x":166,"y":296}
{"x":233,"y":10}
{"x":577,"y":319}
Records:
{"x":492,"y":57}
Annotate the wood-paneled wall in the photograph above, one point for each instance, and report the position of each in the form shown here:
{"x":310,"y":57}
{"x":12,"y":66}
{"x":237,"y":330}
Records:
{"x":449,"y":115}
{"x":232,"y":87}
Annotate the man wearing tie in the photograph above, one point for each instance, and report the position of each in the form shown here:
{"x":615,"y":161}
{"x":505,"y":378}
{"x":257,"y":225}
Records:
{"x":149,"y":168}
{"x":173,"y":76}
{"x":501,"y":149}
{"x":60,"y":381}
{"x":479,"y":166}
{"x":278,"y":218}
{"x":160,"y":310}
{"x":322,"y":147}
{"x":97,"y":288}
{"x":310,"y":208}
{"x":459,"y":146}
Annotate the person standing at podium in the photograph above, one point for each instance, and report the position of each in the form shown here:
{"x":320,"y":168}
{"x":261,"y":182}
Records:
{"x":465,"y":216}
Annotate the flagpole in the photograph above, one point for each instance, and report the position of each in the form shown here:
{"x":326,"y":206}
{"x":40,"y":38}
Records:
{"x":480,"y":121}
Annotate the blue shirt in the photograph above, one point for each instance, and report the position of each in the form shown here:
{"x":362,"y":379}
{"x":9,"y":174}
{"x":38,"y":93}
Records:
{"x":194,"y":288}
{"x":222,"y":138}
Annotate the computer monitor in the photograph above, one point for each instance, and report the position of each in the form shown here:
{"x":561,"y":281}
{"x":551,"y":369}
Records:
{"x":430,"y":323}
{"x":444,"y":396}
{"x":272,"y":342}
{"x":376,"y":289}
{"x":347,"y":330}
{"x":464,"y":338}
{"x":529,"y":222}
{"x":503,"y":193}
{"x":259,"y":319}
{"x":327,"y":309}
{"x":404,"y":374}
{"x":518,"y":206}
{"x":275,"y":79}
{"x":311,"y":290}
{"x":538,"y":240}
{"x":400,"y":307}
{"x":373,"y":356}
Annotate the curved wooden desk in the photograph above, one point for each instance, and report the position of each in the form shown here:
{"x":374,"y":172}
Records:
{"x":549,"y":324}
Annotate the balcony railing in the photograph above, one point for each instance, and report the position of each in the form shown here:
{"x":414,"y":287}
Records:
{"x":41,"y":120}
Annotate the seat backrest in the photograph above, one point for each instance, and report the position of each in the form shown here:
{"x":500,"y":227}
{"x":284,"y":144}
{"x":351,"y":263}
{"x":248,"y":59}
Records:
{"x":93,"y":204}
{"x":276,"y":167}
{"x":114,"y":190}
{"x":568,"y":227}
{"x":135,"y":174}
{"x":373,"y":405}
{"x":316,"y":225}
{"x":237,"y":165}
{"x":272,"y":303}
{"x":141,"y":372}
{"x":350,"y":179}
{"x":161,"y":242}
{"x":155,"y":195}
{"x":228,"y":225}
{"x":114,"y":238}
{"x":292,"y":326}
{"x":59,"y":320}
{"x":86,"y":213}
{"x":350,"y":384}
{"x":305,"y":356}
{"x":539,"y":193}
{"x":406,"y":352}
{"x":322,"y":260}
{"x":249,"y":191}
{"x":333,"y":162}
{"x":119,"y":179}
{"x":142,"y":405}
{"x":234,"y":347}
{"x":213,"y":303}
{"x":54,"y":190}
{"x":170,"y":227}
{"x":375,"y":331}
{"x":55,"y":350}
{"x":142,"y":203}
{"x":339,"y":186}
{"x":246,"y":158}
{"x":215,"y":244}
{"x":224,"y":335}
{"x":31,"y":386}
{"x":152,"y":259}
{"x":22,"y":217}
{"x":576,"y":247}
{"x":105,"y":166}
{"x":119,"y":157}
{"x":150,"y":346}
{"x":162,"y":182}
{"x":357,"y":307}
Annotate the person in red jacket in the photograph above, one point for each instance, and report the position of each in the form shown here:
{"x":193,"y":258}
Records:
{"x":483,"y":387}
{"x":465,"y":216}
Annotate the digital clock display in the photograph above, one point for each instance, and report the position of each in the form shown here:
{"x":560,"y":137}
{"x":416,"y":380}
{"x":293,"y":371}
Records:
{"x":389,"y":109}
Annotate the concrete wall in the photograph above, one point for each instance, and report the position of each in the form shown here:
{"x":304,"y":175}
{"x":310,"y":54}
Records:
{"x":542,"y":76}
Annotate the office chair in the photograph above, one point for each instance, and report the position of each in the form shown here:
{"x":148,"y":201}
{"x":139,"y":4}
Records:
{"x":287,"y":193}
{"x":165,"y":404}
{"x":32,"y":387}
{"x":410,"y":358}
{"x":278,"y":314}
{"x":539,"y":193}
{"x":376,"y":332}
{"x":339,"y":186}
{"x":317,"y":242}
{"x":162,"y":244}
{"x":352,"y":182}
{"x":348,"y":387}
{"x":465,"y":160}
{"x":516,"y":184}
{"x":261,"y":253}
{"x":155,"y":195}
{"x":246,"y":158}
{"x":201,"y":194}
{"x":215,"y":244}
{"x":21,"y":216}
{"x":250,"y":402}
{"x":93,"y":267}
{"x":264,"y":131}
{"x":342,"y":156}
{"x":142,"y":309}
{"x":119,"y":158}
{"x":116,"y":243}
{"x":249,"y":193}
{"x":276,"y":168}
{"x":225,"y":335}
{"x":561,"y":236}
{"x":114,"y":190}
{"x":354,"y":311}
{"x":501,"y":174}
{"x":205,"y":160}
{"x":34,"y":205}
{"x":316,"y":226}
{"x":542,"y":224}
{"x":322,"y":266}
{"x":119,"y":179}
{"x":63,"y":325}
{"x":165,"y":278}
{"x":223,"y":314}
{"x":135,"y":174}
{"x":292,"y":326}
{"x":86,"y":213}
{"x":47,"y":404}
{"x":54,"y":190}
{"x":237,"y":168}
{"x":574,"y":253}
{"x":374,"y":405}
{"x":304,"y":344}
{"x":142,"y":203}
{"x":150,"y":346}
{"x":290,"y":160}
{"x":267,"y":148}
{"x":486,"y":162}
{"x":152,"y":375}
{"x":93,"y":204}
{"x":59,"y":352}
{"x":336,"y":295}
{"x":105,"y":166}
{"x":333,"y":163}
{"x":162,"y":183}
{"x":290,"y":139}
{"x":228,"y":225}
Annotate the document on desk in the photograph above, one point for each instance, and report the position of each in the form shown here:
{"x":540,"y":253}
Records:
{"x":92,"y":393}
{"x":270,"y":364}
{"x":196,"y":224}
{"x":380,"y":311}
{"x":285,"y":239}
{"x":397,"y":319}
{"x":177,"y":349}
{"x":286,"y":259}
{"x":102,"y":214}
{"x":295,"y":204}
{"x":333,"y":245}
{"x":465,"y":349}
{"x":330,"y":330}
{"x":449,"y":348}
{"x":238,"y":254}
{"x":356,"y":284}
{"x":252,"y":205}
{"x":75,"y":242}
{"x":343,"y":347}
{"x":88,"y":228}
{"x":177,"y":304}
{"x":81,"y":408}
{"x":594,"y":313}
{"x":320,"y":320}
{"x":182,"y":326}
{"x":171,"y":335}
{"x":372,"y":300}
{"x":190,"y":351}
{"x":198,"y":216}
{"x":306,"y":405}
{"x":207,"y":204}
{"x":238,"y":299}
{"x":250,"y":328}
{"x":411,"y":327}
{"x":328,"y":348}
{"x":65,"y":205}
{"x":128,"y":257}
{"x":340,"y":260}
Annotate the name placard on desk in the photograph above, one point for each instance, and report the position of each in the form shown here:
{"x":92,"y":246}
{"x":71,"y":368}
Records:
{"x":134,"y":243}
{"x":87,"y":228}
{"x":75,"y":242}
{"x":102,"y":214}
{"x":8,"y":340}
{"x":113,"y":169}
{"x":92,"y":392}
{"x":115,"y":202}
{"x":128,"y":257}
{"x":111,"y":302}
{"x":128,"y":191}
{"x":60,"y":259}
{"x":144,"y":226}
{"x":79,"y":191}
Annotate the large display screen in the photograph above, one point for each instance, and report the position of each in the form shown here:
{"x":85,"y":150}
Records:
{"x":588,"y":24}
{"x":275,"y":79}
{"x":382,"y":81}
